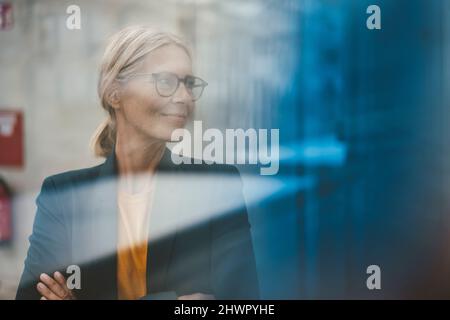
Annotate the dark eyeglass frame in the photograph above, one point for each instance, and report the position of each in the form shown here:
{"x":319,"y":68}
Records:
{"x":157,"y":76}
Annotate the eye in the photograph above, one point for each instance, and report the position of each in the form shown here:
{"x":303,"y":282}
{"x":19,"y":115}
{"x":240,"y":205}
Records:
{"x":163,"y":81}
{"x":167,"y":81}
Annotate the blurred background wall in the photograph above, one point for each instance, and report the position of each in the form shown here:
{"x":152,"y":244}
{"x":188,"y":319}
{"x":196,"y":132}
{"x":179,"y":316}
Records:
{"x":363,"y":118}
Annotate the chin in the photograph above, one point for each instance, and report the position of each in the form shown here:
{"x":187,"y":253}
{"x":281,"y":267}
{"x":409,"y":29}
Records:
{"x":165,"y":133}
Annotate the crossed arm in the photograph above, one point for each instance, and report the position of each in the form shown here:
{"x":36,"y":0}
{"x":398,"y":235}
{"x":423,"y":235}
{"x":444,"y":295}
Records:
{"x":55,"y":288}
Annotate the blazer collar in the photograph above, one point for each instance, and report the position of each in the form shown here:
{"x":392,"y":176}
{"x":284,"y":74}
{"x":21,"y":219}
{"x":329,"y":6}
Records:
{"x":109,"y":168}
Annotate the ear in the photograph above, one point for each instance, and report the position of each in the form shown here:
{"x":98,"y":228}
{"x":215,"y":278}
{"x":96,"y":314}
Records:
{"x":113,"y":96}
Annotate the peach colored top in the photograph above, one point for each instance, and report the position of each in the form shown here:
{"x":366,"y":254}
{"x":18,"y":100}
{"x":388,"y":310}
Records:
{"x":133,"y":223}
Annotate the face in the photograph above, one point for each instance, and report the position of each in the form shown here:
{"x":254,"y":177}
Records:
{"x":140,"y":108}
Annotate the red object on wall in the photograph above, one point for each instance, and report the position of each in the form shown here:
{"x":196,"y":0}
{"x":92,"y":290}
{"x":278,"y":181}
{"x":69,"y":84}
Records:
{"x":6,"y":16}
{"x":11,"y":138}
{"x":5,"y":213}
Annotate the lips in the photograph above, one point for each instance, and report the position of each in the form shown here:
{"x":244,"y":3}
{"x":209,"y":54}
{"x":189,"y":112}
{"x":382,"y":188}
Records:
{"x":173,"y":114}
{"x":176,"y":115}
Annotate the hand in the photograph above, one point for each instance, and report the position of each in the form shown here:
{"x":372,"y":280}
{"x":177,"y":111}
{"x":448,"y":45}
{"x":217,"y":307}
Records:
{"x":54,"y":289}
{"x":197,"y":296}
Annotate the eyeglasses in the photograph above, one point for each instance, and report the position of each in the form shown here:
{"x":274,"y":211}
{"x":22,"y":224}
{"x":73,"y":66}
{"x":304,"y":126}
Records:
{"x":167,"y":83}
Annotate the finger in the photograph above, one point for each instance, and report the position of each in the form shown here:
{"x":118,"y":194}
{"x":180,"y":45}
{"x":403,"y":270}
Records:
{"x":197,"y":296}
{"x":43,"y":298}
{"x":46,"y":292}
{"x":189,"y":297}
{"x":62,"y":282}
{"x":60,"y":279}
{"x":53,"y":285}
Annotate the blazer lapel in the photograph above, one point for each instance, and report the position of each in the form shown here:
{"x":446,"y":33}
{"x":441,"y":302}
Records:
{"x":97,"y":242}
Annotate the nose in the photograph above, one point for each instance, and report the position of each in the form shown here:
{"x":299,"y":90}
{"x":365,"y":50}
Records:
{"x":181,"y":95}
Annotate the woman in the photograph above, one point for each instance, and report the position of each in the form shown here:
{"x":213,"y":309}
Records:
{"x":135,"y":226}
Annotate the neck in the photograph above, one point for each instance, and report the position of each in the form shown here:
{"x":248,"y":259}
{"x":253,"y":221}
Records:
{"x":137,"y":160}
{"x":138,"y":154}
{"x":135,"y":157}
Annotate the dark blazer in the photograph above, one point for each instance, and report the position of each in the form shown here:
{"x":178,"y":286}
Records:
{"x":202,"y":235}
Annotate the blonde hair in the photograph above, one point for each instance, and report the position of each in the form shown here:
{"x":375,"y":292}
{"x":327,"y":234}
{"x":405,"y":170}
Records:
{"x":122,"y":57}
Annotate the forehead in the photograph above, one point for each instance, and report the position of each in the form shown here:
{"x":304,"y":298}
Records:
{"x":171,"y":58}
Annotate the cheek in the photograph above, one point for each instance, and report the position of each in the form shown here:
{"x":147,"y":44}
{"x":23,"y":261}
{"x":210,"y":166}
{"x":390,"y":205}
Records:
{"x":141,"y":103}
{"x":191,"y":108}
{"x":143,"y":109}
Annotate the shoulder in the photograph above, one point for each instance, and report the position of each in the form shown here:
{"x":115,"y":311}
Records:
{"x":71,"y":178}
